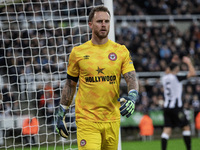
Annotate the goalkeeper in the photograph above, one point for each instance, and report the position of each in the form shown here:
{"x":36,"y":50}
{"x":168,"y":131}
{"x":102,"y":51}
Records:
{"x":98,"y":65}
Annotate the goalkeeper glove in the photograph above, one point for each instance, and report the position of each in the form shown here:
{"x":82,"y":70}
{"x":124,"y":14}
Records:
{"x":61,"y":126}
{"x":128,"y":103}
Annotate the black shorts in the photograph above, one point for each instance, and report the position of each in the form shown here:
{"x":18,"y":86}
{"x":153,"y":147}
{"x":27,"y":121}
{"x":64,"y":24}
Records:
{"x":175,"y":118}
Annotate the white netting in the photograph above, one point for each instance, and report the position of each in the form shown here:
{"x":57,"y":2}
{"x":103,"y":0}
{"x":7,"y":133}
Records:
{"x":36,"y":37}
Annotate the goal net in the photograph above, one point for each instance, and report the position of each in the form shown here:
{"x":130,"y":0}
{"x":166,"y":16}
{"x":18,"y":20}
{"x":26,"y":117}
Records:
{"x":36,"y":37}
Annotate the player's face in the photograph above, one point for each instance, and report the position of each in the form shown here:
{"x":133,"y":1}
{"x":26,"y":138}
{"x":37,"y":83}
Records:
{"x":100,"y":24}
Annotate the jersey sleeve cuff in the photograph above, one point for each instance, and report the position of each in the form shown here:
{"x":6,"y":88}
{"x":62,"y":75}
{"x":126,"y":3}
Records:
{"x":75,"y":79}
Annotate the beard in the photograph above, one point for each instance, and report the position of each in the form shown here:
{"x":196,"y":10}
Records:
{"x":100,"y":35}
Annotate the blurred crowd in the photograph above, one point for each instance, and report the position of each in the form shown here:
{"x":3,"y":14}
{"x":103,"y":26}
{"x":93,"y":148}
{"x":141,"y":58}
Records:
{"x":152,"y":47}
{"x":39,"y":45}
{"x":157,"y":7}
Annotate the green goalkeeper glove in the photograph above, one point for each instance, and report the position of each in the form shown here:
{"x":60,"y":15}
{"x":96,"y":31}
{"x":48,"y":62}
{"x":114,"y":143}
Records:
{"x":61,"y":126}
{"x":128,"y":103}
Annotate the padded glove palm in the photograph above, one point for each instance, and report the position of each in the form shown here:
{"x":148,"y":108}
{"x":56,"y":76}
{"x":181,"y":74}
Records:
{"x":128,"y":103}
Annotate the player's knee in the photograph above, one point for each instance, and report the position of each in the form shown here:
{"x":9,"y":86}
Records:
{"x":186,"y":128}
{"x":167,"y":130}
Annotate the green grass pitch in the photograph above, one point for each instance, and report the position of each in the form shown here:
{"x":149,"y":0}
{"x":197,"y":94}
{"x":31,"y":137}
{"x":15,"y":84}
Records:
{"x":173,"y":144}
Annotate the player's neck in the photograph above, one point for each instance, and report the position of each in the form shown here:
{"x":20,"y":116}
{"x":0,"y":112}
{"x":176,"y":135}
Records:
{"x":98,"y":41}
{"x":174,"y":72}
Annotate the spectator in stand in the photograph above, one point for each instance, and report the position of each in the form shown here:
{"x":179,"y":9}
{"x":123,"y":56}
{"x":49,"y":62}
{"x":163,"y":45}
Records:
{"x":187,"y":98}
{"x":50,"y":109}
{"x":160,"y":101}
{"x":155,"y":105}
{"x":39,"y":94}
{"x":195,"y":103}
{"x":46,"y":102}
{"x":37,"y":67}
{"x":145,"y":102}
{"x":139,"y":103}
{"x":12,"y":68}
{"x":16,"y":108}
{"x":155,"y":91}
{"x":49,"y":88}
{"x":46,"y":95}
{"x":2,"y":58}
{"x":5,"y":92}
{"x":197,"y":90}
{"x":28,"y":69}
{"x":165,"y":52}
{"x":8,"y":100}
{"x":44,"y":98}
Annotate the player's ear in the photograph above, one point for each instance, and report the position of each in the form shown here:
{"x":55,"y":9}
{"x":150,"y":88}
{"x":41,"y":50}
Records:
{"x":90,"y":24}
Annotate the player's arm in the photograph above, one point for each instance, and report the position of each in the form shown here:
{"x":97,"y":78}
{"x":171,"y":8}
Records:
{"x":191,"y":68}
{"x":131,"y":80}
{"x":66,"y":100}
{"x":128,"y":102}
{"x":68,"y":91}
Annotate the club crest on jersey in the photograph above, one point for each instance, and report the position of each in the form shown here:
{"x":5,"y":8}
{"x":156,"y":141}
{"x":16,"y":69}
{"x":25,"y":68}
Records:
{"x":83,"y":142}
{"x":112,"y":56}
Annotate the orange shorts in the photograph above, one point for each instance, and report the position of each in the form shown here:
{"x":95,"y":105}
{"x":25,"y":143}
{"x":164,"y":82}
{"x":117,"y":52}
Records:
{"x":97,"y":135}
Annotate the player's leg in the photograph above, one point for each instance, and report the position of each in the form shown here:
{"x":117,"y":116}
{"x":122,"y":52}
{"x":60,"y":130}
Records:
{"x":184,"y":124}
{"x":168,"y":123}
{"x":165,"y":137}
{"x":187,"y":136}
{"x":110,"y":135}
{"x":88,"y":136}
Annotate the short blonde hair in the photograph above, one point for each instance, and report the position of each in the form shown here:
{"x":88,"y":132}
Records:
{"x":97,"y":9}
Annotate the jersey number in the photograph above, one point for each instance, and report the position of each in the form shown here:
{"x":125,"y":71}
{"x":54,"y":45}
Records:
{"x":168,"y":93}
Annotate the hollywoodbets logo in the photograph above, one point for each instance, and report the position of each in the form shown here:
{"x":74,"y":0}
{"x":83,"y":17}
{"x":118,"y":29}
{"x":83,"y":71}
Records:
{"x":111,"y":79}
{"x":101,"y":79}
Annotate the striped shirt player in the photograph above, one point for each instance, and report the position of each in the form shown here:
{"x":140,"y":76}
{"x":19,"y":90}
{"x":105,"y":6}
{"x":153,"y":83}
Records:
{"x":173,"y":90}
{"x":174,"y":115}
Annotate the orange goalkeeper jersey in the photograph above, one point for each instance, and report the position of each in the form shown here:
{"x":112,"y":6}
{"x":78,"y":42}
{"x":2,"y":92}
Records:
{"x":99,"y":68}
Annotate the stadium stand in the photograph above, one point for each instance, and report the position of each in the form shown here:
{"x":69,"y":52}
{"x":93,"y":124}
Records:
{"x":151,"y":46}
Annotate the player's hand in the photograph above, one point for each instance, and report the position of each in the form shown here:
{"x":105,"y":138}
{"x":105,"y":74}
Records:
{"x":186,"y":60}
{"x":61,"y":126}
{"x":128,"y":103}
